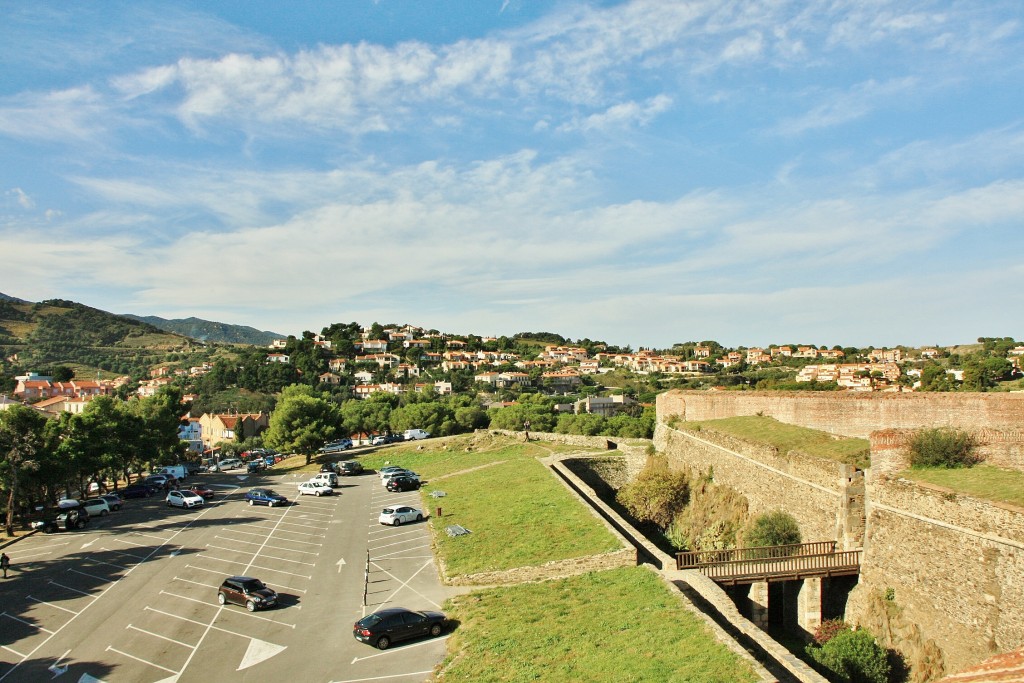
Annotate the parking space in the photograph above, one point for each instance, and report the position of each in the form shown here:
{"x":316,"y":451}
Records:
{"x":134,"y":597}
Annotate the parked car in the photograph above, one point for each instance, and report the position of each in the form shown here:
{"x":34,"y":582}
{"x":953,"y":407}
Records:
{"x":245,"y":590}
{"x":137,"y":491}
{"x":96,"y":507}
{"x":160,"y":481}
{"x":314,"y":488}
{"x":336,"y":446}
{"x":265,"y":497}
{"x":230,"y":464}
{"x":255,"y":467}
{"x":326,"y":478}
{"x":414,"y":434}
{"x":390,"y":468}
{"x":115,"y":501}
{"x":387,"y":476}
{"x":350,"y":467}
{"x":64,"y":519}
{"x":328,"y":467}
{"x":391,"y":625}
{"x":203,"y":490}
{"x":379,"y":440}
{"x":399,"y":514}
{"x":269,"y":460}
{"x":193,"y":467}
{"x":402,"y":483}
{"x":184,"y":499}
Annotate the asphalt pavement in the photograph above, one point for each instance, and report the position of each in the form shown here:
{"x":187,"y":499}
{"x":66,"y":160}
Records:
{"x":134,"y":596}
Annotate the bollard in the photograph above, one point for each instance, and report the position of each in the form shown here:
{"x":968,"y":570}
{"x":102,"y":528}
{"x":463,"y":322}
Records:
{"x":438,"y":512}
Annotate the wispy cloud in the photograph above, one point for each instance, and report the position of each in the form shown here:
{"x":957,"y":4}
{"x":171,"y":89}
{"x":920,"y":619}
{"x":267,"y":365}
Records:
{"x":843,"y":107}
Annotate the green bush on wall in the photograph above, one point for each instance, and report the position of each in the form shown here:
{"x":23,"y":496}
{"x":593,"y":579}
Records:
{"x":852,"y":657}
{"x":943,"y":447}
{"x":772,"y":528}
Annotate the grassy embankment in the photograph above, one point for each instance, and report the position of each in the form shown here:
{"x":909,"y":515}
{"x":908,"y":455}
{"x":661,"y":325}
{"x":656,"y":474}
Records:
{"x":787,"y":437}
{"x":618,"y":625}
{"x":981,"y":481}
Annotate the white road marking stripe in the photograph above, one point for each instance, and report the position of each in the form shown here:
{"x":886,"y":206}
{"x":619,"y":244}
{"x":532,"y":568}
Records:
{"x":74,"y":590}
{"x":27,"y":623}
{"x":157,"y":635}
{"x":50,"y":604}
{"x":144,"y":661}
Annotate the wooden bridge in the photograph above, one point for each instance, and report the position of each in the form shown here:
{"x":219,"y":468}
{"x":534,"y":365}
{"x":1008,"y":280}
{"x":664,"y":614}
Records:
{"x":772,"y":563}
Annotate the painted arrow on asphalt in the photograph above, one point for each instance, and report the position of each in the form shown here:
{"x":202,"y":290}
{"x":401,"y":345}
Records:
{"x":341,"y":563}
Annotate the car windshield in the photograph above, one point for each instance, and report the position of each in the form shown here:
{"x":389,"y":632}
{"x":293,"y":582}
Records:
{"x":387,"y":511}
{"x":370,"y":620}
{"x":253,"y":586}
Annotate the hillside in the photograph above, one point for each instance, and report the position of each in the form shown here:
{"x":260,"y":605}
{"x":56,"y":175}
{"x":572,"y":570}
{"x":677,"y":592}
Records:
{"x":209,"y":331}
{"x":58,"y":332}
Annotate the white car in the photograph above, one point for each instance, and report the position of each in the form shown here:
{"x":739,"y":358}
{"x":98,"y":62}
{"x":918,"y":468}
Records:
{"x":96,"y":507}
{"x":400,"y":514}
{"x":185,"y":499}
{"x":314,"y":488}
{"x":414,"y":434}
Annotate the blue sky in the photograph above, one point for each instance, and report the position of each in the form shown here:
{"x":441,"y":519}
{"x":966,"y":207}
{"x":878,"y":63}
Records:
{"x":644,"y":173}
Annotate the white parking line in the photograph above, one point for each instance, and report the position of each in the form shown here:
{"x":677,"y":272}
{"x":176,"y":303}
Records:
{"x":275,"y":547}
{"x":74,"y":590}
{"x":250,"y":564}
{"x":122,"y":540}
{"x":140,"y":659}
{"x":11,"y":649}
{"x":391,"y":556}
{"x":111,"y":564}
{"x":27,"y":623}
{"x":121,"y":552}
{"x":157,"y":635}
{"x":50,"y":604}
{"x":286,"y":531}
{"x":104,"y":579}
{"x":196,"y":583}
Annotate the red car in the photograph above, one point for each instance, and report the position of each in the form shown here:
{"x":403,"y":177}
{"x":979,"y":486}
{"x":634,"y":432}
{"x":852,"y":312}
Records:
{"x":202,"y":490}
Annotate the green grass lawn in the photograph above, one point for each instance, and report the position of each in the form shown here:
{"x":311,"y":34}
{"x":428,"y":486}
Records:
{"x":520,"y":516}
{"x":980,"y":481}
{"x":619,"y":625}
{"x":787,"y":437}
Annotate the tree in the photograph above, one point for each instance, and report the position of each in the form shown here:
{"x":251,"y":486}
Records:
{"x":21,"y":438}
{"x":657,"y":494}
{"x":302,"y":422}
{"x":772,"y":528}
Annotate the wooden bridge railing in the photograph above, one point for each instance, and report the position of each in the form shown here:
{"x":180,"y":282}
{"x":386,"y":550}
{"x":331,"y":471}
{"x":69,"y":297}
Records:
{"x":779,"y":563}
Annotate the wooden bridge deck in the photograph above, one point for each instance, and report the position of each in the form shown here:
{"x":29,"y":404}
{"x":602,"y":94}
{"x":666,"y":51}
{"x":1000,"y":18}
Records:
{"x":772,"y":563}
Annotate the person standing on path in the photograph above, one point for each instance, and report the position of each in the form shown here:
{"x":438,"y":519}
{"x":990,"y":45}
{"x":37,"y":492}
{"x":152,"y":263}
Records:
{"x":5,"y":562}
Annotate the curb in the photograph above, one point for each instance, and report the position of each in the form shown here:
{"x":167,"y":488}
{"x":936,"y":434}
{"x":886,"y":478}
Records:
{"x":12,"y":541}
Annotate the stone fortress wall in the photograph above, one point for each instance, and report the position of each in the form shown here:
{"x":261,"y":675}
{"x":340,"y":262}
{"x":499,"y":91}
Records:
{"x":942,"y":576}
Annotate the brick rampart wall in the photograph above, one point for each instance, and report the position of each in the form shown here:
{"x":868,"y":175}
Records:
{"x":955,"y":565}
{"x":806,"y":487}
{"x":854,"y":413}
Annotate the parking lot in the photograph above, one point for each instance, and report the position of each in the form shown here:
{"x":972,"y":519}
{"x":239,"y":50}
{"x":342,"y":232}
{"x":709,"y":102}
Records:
{"x":133,"y":597}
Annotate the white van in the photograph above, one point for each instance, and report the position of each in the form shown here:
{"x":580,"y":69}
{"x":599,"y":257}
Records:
{"x":326,"y":478}
{"x":413,"y":434}
{"x":179,"y":472}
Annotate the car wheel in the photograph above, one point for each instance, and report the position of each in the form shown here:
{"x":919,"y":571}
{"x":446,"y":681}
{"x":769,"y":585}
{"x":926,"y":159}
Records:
{"x":80,"y":524}
{"x":435,"y":630}
{"x":397,"y":522}
{"x":383,"y":642}
{"x":250,"y":605}
{"x":103,"y":513}
{"x":252,"y":502}
{"x":419,"y":518}
{"x":316,"y":494}
{"x":270,"y":503}
{"x":221,"y":599}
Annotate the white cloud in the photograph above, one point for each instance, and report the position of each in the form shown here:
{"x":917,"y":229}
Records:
{"x":849,"y":105}
{"x":623,"y":115}
{"x":75,"y":114}
{"x":23,"y":200}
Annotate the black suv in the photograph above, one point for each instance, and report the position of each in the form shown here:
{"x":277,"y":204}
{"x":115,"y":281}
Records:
{"x":350,"y":467}
{"x":245,"y":590}
{"x":402,"y":484}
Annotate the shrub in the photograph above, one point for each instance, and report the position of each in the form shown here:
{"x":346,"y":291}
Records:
{"x":829,"y":629}
{"x":852,"y":657}
{"x":772,"y":528}
{"x":943,"y":447}
{"x":657,"y":494}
